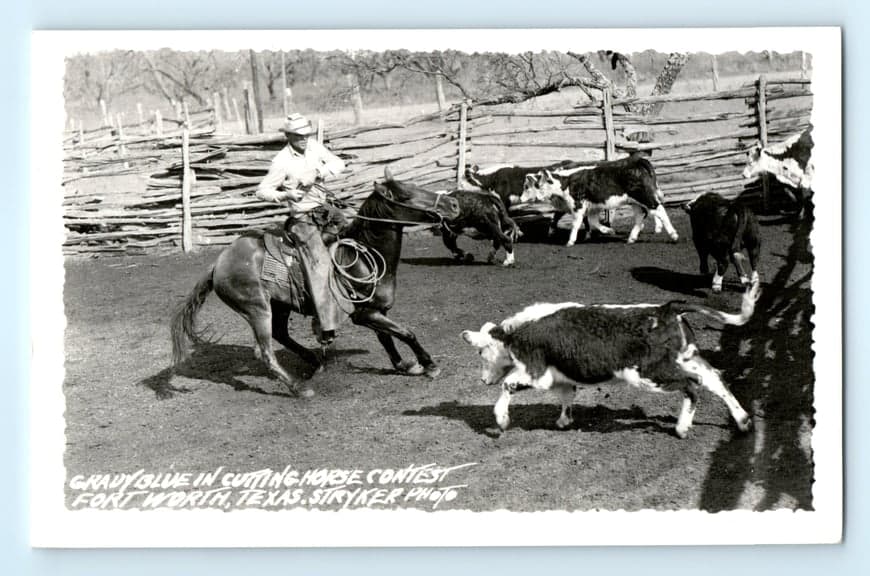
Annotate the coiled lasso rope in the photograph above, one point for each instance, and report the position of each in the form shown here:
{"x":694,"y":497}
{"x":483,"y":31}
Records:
{"x":343,"y":283}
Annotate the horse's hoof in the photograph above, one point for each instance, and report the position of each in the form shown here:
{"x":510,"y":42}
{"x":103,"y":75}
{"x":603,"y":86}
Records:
{"x":468,"y":258}
{"x":306,"y":392}
{"x":415,"y":370}
{"x":410,"y":367}
{"x":433,"y":371}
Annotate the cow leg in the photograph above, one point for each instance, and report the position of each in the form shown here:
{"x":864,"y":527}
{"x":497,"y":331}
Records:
{"x":754,"y":249}
{"x":579,"y":215}
{"x":639,"y":216}
{"x":703,"y":256}
{"x":743,"y":269}
{"x":566,"y":396}
{"x":449,"y":239}
{"x":554,"y":223}
{"x":721,"y":268}
{"x":502,"y":417}
{"x":594,"y":223}
{"x":687,"y":412}
{"x":666,"y":221}
{"x":658,"y":221}
{"x":691,"y":362}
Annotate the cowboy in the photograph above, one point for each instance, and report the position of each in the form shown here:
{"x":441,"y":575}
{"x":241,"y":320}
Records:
{"x":291,"y":178}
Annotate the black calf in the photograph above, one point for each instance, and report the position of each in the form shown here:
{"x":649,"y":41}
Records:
{"x":484,"y":212}
{"x":723,"y":229}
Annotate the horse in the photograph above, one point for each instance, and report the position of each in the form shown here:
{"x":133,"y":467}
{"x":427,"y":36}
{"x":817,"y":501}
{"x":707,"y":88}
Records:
{"x":378,"y":226}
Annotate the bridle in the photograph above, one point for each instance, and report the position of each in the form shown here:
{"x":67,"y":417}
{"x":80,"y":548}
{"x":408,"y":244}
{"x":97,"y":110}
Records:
{"x":433,"y":211}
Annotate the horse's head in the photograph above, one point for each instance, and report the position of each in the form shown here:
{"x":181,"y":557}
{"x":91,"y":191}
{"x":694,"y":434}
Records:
{"x":411,"y":203}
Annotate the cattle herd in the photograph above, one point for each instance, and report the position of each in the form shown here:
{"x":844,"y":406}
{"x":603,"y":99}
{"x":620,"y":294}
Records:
{"x":558,"y":346}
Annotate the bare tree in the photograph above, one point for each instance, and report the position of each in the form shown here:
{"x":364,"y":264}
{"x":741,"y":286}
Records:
{"x":95,"y":77}
{"x":177,"y":75}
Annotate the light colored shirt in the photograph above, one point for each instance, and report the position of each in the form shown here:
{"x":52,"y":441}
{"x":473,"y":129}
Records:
{"x":292,"y":175}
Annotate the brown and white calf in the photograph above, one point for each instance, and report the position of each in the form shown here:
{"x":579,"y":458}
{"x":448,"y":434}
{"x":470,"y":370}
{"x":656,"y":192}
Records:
{"x":606,"y":186}
{"x":559,"y":346}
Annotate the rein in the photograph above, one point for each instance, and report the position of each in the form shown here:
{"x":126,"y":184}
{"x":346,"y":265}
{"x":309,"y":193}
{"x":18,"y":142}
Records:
{"x":429,"y":211}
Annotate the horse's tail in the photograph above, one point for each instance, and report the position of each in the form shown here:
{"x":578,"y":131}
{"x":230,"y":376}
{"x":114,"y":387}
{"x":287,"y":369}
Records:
{"x":184,"y":330}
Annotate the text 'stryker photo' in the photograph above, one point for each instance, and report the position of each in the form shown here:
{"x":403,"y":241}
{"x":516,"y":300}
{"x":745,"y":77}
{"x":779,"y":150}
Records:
{"x":332,"y":281}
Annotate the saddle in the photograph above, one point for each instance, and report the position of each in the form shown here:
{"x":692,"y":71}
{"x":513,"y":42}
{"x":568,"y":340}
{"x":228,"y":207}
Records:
{"x":282,"y":266}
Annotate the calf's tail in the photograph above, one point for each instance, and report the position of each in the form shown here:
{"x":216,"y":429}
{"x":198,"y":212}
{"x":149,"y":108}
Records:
{"x":512,"y":229}
{"x":747,"y":308}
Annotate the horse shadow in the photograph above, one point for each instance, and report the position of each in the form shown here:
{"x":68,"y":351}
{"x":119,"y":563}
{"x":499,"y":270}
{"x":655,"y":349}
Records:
{"x":226,"y":363}
{"x":529,"y":417}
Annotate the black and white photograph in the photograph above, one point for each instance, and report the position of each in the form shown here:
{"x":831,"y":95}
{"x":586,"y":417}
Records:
{"x":456,"y":287}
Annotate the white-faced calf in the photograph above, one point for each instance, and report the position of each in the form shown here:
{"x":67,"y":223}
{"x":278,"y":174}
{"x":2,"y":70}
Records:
{"x":606,"y":186}
{"x":559,"y":346}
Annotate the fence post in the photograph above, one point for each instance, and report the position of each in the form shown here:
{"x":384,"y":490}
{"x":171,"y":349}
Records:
{"x":236,"y":109}
{"x":609,"y":135}
{"x":158,"y":122}
{"x":320,"y":130}
{"x":122,"y":150}
{"x":186,"y":114}
{"x":761,"y":108}
{"x":355,"y":98}
{"x":81,"y":132}
{"x":217,"y":112}
{"x":439,"y":94}
{"x":187,"y":177}
{"x":463,"y":134}
{"x":257,"y":104}
{"x":229,"y":112}
{"x":106,"y":121}
{"x":141,"y":113}
{"x":246,"y":106}
{"x":715,"y":74}
{"x":285,"y":97}
{"x":803,"y":65}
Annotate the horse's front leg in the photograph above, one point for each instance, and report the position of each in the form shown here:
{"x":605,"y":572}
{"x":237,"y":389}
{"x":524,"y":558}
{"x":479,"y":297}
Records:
{"x":386,"y":330}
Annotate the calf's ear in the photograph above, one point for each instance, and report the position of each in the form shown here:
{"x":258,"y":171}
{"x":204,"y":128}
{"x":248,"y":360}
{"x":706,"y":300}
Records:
{"x":473,"y":338}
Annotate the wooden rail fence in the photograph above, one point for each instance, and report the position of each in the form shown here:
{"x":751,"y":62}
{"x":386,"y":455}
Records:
{"x":201,"y":185}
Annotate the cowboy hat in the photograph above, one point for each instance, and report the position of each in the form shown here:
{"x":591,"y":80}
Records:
{"x":297,"y":124}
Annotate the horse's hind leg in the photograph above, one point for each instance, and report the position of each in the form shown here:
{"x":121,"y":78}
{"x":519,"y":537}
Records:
{"x":262,"y":326}
{"x":280,"y":332}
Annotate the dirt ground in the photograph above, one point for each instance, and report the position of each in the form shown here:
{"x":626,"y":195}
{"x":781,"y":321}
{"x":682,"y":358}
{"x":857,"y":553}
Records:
{"x":126,"y":410}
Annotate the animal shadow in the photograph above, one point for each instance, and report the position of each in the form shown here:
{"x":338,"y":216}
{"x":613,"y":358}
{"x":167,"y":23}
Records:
{"x":444,"y":261}
{"x":688,"y":284}
{"x":596,"y":418}
{"x":225,"y":364}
